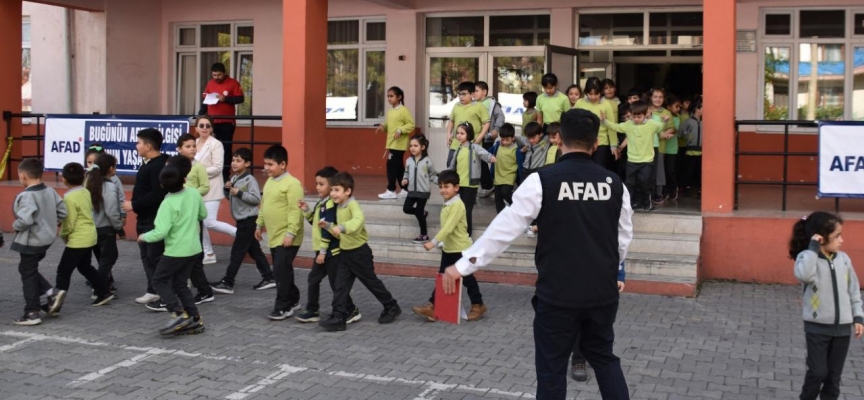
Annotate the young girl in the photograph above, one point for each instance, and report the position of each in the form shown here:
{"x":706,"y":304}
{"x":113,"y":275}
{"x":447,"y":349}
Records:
{"x":607,"y":140}
{"x":610,"y":93}
{"x":398,"y":125}
{"x":106,"y":214}
{"x":529,"y":101}
{"x":418,"y":179}
{"x":466,"y":163}
{"x":691,"y":169}
{"x":94,"y":151}
{"x":831,"y":301}
{"x":656,"y":111}
{"x":574,"y":93}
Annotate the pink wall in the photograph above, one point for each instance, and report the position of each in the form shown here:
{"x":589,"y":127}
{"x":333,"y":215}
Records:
{"x":133,"y":57}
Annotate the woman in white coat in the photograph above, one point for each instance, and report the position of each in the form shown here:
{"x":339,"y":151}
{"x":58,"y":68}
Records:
{"x":211,"y":154}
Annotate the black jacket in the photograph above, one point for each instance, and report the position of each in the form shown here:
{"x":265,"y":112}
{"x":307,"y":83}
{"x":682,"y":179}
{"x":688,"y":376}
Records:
{"x":147,"y":194}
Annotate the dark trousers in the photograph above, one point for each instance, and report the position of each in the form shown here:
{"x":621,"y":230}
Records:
{"x":825,"y":358}
{"x":245,"y":243}
{"x":503,"y":193}
{"x":224,"y":132}
{"x":470,"y":282}
{"x":639,"y":183}
{"x":79,"y":259}
{"x":106,"y":254}
{"x":554,"y":336}
{"x":150,"y":255}
{"x":197,"y":274}
{"x":485,"y":173}
{"x":316,"y":275}
{"x":603,"y":156}
{"x":671,"y":177}
{"x":622,"y":159}
{"x":170,"y":278}
{"x":417,"y":207}
{"x":395,"y":168}
{"x":287,"y":293}
{"x":577,"y":353}
{"x":35,"y":285}
{"x":358,"y":264}
{"x":469,"y":197}
{"x":680,"y":164}
{"x":691,"y":174}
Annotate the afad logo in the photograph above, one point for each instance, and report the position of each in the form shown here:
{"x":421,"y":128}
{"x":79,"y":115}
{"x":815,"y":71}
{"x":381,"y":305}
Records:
{"x":67,"y":146}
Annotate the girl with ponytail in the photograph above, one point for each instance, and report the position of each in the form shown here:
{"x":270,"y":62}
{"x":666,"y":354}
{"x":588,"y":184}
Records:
{"x":106,"y":214}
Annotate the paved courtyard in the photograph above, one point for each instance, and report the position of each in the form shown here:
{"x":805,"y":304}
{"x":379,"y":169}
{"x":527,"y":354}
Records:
{"x":736,"y":341}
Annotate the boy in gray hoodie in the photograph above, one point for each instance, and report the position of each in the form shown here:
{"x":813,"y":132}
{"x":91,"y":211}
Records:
{"x":245,"y":196}
{"x":37,"y":210}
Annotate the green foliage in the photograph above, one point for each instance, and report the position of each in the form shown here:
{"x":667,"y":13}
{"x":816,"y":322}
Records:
{"x":827,"y":113}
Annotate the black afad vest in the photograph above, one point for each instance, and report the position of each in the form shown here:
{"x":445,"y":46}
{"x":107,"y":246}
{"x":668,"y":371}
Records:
{"x":577,"y":245}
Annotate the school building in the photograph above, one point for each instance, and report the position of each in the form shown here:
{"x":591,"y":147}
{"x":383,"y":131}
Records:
{"x":751,"y":60}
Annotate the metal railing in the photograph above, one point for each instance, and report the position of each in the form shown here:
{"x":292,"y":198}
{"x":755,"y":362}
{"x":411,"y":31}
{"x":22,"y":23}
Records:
{"x":784,"y":182}
{"x":39,"y":137}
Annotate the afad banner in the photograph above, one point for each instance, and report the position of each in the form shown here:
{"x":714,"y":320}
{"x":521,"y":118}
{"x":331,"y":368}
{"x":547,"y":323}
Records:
{"x":68,"y":138}
{"x":841,"y":159}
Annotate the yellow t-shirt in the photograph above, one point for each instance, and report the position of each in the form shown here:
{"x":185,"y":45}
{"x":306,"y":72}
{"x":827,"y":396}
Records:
{"x":280,"y":213}
{"x":398,"y":118}
{"x":463,"y":165}
{"x":640,"y":138}
{"x":474,"y":113}
{"x":551,"y":107}
{"x":505,"y":165}
{"x":604,"y":136}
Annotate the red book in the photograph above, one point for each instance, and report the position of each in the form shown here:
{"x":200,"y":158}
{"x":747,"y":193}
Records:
{"x":448,"y":308}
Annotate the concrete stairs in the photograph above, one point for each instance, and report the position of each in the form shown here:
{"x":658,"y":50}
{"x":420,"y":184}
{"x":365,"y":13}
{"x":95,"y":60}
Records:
{"x":662,"y":258}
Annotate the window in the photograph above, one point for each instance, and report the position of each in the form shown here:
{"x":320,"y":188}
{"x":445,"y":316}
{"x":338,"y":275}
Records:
{"x":519,"y":30}
{"x":198,"y":46}
{"x":812,"y":65}
{"x":355,"y":70}
{"x":26,"y":85}
{"x":498,"y":30}
{"x":669,"y":29}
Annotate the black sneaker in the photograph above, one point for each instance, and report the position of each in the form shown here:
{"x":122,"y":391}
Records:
{"x":28,"y":319}
{"x":222,"y":287}
{"x":334,"y":323}
{"x":308,"y":316}
{"x":204,"y":298}
{"x":355,"y":316}
{"x":157,"y":306}
{"x":177,"y":322}
{"x":388,"y":316}
{"x":265,"y":284}
{"x":56,"y":302}
{"x":103,"y":299}
{"x":195,"y":327}
{"x":113,"y":291}
{"x":279,"y":315}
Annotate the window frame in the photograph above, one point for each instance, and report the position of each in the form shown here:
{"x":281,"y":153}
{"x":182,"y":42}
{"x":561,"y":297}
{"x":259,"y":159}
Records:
{"x":486,"y":28}
{"x":794,"y":42}
{"x":362,"y":46}
{"x":646,"y":28}
{"x":179,"y":50}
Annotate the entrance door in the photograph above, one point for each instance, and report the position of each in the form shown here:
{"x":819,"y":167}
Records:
{"x":595,"y":70}
{"x":512,"y":75}
{"x":445,"y":72}
{"x":562,"y":61}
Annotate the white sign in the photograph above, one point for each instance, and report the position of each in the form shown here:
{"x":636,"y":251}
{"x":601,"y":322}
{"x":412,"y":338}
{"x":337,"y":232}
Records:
{"x":841,"y":159}
{"x":342,"y":108}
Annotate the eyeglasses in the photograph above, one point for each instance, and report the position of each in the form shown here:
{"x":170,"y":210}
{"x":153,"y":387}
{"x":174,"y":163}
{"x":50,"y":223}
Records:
{"x":464,"y":94}
{"x":205,"y":126}
{"x":97,"y":148}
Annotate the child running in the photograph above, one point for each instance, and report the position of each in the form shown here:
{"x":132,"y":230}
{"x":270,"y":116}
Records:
{"x":355,"y":257}
{"x":177,"y":220}
{"x":326,"y":248}
{"x":106,"y":216}
{"x":831,"y":301}
{"x":641,"y":133}
{"x":466,"y":163}
{"x":245,"y":196}
{"x":93,"y":151}
{"x":418,"y":179}
{"x":398,"y":126}
{"x":37,"y":211}
{"x":453,"y":235}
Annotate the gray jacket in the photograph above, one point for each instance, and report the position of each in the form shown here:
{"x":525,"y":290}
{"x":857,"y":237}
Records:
{"x":496,"y":119}
{"x":535,"y":157}
{"x":37,"y":210}
{"x":831,"y":295}
{"x":692,"y":130}
{"x":120,"y":195}
{"x":421,"y":175}
{"x":245,"y":204}
{"x":107,"y":219}
{"x":476,"y":153}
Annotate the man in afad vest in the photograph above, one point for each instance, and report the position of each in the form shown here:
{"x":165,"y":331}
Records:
{"x":228,"y":93}
{"x":584,"y":224}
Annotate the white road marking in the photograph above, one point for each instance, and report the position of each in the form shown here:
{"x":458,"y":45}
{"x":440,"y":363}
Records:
{"x":17,"y":344}
{"x":284,"y":370}
{"x":105,"y":371}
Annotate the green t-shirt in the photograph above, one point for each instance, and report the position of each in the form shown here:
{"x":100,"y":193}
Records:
{"x":474,"y":113}
{"x":640,"y":138}
{"x":454,"y":226}
{"x":197,"y":178}
{"x":352,"y":223}
{"x":604,"y":136}
{"x":78,"y":228}
{"x":280,"y":214}
{"x":400,"y":119}
{"x":505,"y":165}
{"x":463,"y":165}
{"x":177,"y":223}
{"x":666,"y":146}
{"x":551,"y":107}
{"x":528,"y":117}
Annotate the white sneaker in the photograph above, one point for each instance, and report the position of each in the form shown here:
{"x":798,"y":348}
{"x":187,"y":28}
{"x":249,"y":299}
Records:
{"x":210,"y":258}
{"x":388,"y":195}
{"x":402,"y":194}
{"x":484,"y":193}
{"x":148,"y":297}
{"x":530,"y":233}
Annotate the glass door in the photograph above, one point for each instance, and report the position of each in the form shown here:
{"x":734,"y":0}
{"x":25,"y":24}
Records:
{"x":511,"y":75}
{"x":445,"y":72}
{"x":598,"y":70}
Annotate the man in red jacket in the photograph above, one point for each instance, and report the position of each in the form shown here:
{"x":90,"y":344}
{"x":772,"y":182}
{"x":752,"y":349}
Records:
{"x":228,"y":93}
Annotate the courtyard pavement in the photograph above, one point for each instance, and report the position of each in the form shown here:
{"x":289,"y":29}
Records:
{"x":735,"y":341}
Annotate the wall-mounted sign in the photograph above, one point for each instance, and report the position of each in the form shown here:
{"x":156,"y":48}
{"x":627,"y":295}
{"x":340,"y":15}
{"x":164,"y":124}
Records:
{"x":745,"y":41}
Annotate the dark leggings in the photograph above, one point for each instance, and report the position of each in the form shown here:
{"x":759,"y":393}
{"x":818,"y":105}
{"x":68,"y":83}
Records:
{"x":395,"y":169}
{"x":417,"y":207}
{"x":469,"y":197}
